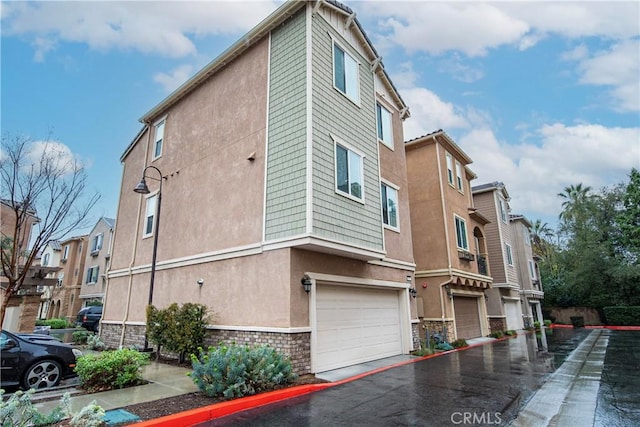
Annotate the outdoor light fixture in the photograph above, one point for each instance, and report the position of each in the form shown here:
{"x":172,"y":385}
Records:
{"x":306,"y":283}
{"x":449,"y":292}
{"x":200,"y":282}
{"x":413,"y":292}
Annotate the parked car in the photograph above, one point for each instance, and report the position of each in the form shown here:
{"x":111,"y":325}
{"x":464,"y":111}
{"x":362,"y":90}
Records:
{"x":89,"y":317}
{"x":35,"y":361}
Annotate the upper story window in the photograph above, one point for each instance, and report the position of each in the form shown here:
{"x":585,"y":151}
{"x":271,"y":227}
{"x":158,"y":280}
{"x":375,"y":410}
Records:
{"x":389,"y":205}
{"x":159,"y":138}
{"x":385,"y":129}
{"x":532,"y":270}
{"x":461,"y":234}
{"x":96,"y":242}
{"x":459,"y":182}
{"x":527,"y":236}
{"x":507,"y":248}
{"x":349,"y":172}
{"x":150,"y":214}
{"x":45,"y":260}
{"x":92,"y":274}
{"x":503,"y":211}
{"x":345,"y":73}
{"x":65,"y":252}
{"x":449,"y":168}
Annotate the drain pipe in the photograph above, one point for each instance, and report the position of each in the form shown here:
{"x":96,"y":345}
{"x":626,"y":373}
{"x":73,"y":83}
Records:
{"x":134,"y":250}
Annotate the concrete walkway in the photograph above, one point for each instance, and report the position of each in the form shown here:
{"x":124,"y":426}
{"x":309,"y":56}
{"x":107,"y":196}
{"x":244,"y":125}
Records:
{"x":569,"y":397}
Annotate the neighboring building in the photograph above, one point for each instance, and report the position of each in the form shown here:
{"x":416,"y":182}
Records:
{"x":96,"y":263}
{"x":503,"y":306}
{"x":531,"y":294}
{"x":448,"y":238}
{"x":50,"y":257}
{"x":282,"y":162}
{"x":65,"y":296}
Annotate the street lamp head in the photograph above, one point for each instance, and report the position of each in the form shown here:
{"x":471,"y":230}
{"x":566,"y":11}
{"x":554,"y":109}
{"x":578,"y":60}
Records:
{"x":142,"y":188}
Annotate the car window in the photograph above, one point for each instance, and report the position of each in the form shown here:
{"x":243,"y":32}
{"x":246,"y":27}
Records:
{"x":3,"y":340}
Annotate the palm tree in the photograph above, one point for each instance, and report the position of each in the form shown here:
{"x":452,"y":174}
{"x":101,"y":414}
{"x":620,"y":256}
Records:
{"x":574,"y":197}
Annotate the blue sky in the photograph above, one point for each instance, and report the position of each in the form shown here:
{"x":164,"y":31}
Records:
{"x":541,"y":95}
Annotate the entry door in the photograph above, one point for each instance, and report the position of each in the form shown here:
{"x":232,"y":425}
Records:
{"x":467,"y":317}
{"x":514,"y":316}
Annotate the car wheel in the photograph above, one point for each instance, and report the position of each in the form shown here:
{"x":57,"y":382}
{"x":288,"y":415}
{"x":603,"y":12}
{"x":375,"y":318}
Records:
{"x":43,"y":374}
{"x":96,"y":327}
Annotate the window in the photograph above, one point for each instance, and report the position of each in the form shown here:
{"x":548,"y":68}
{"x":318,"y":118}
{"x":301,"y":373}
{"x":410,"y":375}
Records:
{"x":349,"y":171}
{"x":92,"y":274}
{"x":389,"y":206}
{"x":65,"y":253}
{"x":449,"y":168}
{"x":503,"y":211}
{"x":150,"y":214}
{"x":461,"y":234}
{"x":527,"y":236}
{"x":507,"y":248}
{"x":60,"y":279}
{"x":345,"y":73}
{"x":385,"y":130}
{"x":459,"y":176}
{"x":532,"y":270}
{"x":96,"y":243}
{"x":157,"y":145}
{"x":45,"y":260}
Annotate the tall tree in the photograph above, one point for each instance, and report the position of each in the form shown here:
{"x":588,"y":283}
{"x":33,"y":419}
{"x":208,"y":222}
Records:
{"x":541,"y":237}
{"x":574,"y":197}
{"x":44,"y":180}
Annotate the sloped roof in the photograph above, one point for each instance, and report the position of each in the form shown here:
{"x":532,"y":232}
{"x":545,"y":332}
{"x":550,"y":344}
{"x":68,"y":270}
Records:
{"x":447,"y":139}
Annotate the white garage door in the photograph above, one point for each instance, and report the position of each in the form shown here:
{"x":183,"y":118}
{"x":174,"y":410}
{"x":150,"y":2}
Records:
{"x":514,"y":315}
{"x":355,"y":325}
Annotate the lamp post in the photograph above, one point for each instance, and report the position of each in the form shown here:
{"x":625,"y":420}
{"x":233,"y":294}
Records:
{"x":142,"y":188}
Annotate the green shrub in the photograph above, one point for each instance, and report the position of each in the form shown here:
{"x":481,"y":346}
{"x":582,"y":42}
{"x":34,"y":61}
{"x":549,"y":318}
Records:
{"x":177,"y":329}
{"x":41,"y":322}
{"x":444,"y":346}
{"x":56,"y":323}
{"x":236,"y":371}
{"x":424,"y":350}
{"x":496,"y":334}
{"x":622,"y":316}
{"x":511,"y":333}
{"x":459,"y":343}
{"x":536,"y":324}
{"x":94,"y":343}
{"x":111,"y":369}
{"x":547,"y":323}
{"x":80,"y":337}
{"x":18,"y":411}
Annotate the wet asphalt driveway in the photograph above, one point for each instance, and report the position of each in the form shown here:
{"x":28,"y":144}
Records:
{"x":485,"y":385}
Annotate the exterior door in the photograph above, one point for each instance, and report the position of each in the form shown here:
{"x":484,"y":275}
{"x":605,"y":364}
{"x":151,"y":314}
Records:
{"x":467,"y":317}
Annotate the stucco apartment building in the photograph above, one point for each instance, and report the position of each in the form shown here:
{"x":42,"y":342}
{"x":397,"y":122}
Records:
{"x":65,"y":295}
{"x":504,"y":306}
{"x":97,"y":258}
{"x":280,"y":163}
{"x":448,"y":237}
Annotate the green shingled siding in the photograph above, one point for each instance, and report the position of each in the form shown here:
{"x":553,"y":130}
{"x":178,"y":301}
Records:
{"x":286,"y":158}
{"x":334,"y":216}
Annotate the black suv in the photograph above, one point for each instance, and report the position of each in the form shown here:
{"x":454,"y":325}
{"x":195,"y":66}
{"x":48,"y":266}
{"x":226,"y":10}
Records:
{"x":89,"y":317}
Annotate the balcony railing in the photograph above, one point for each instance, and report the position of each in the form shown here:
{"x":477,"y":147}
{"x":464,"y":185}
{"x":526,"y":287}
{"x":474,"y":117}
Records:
{"x":482,"y":265}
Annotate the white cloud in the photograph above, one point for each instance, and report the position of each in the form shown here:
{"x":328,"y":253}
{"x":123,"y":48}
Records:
{"x":60,"y":156}
{"x":162,"y":28}
{"x":430,"y":113}
{"x":455,"y":67}
{"x":175,"y":78}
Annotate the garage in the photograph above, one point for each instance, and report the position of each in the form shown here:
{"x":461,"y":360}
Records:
{"x":467,"y":317}
{"x":514,"y":315}
{"x":356,"y":325}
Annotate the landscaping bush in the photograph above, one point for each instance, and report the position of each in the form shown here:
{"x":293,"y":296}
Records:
{"x":536,"y":324}
{"x":424,"y":350}
{"x":459,"y":343}
{"x":577,"y":321}
{"x":496,"y":334}
{"x":111,"y":370}
{"x":511,"y":333}
{"x":445,"y":346}
{"x":547,"y":323}
{"x":54,"y":323}
{"x":80,"y":337}
{"x":94,"y":343}
{"x":236,"y":371}
{"x":622,"y":316}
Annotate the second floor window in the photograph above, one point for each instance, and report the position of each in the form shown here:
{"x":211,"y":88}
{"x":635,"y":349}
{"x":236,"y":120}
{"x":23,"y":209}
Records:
{"x":461,"y":234}
{"x":65,"y":253}
{"x":503,"y":211}
{"x":92,"y":274}
{"x":507,"y":248}
{"x":532,"y":270}
{"x":345,"y":73}
{"x":385,"y":132}
{"x":449,"y":168}
{"x":349,"y":172}
{"x":45,"y":260}
{"x":150,"y":215}
{"x":96,"y":242}
{"x":389,"y":206}
{"x":459,"y":182}
{"x":159,"y":138}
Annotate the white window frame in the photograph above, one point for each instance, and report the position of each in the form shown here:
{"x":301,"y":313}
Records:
{"x":527,"y":236}
{"x":351,"y":66}
{"x":90,"y":275}
{"x":509,"y":253}
{"x":351,"y":155}
{"x":148,"y":214}
{"x":45,"y":259}
{"x":503,"y":210}
{"x":459,"y":180}
{"x":96,"y":242}
{"x":384,"y":121}
{"x":461,"y":221}
{"x":532,"y":269}
{"x":449,"y":160}
{"x":65,"y":252}
{"x":387,"y":186}
{"x":158,"y":142}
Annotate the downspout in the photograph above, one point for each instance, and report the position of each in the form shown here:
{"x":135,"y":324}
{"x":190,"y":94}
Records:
{"x":446,"y":232}
{"x":135,"y":248}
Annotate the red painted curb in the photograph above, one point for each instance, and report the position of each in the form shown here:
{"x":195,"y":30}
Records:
{"x":613,"y":328}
